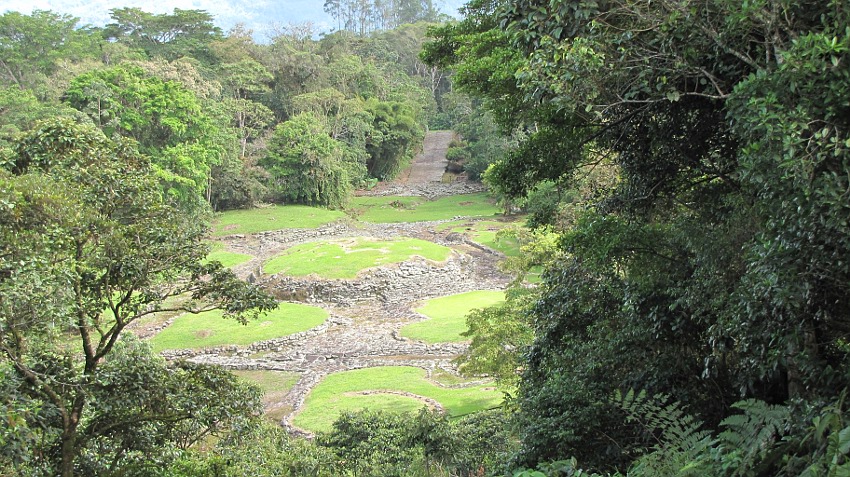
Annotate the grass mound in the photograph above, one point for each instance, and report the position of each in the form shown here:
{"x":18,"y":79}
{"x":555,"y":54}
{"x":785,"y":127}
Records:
{"x":190,"y":331}
{"x":276,"y":217}
{"x":344,"y":258}
{"x":447,"y":316}
{"x":227,"y":258}
{"x":341,"y":392}
{"x":391,"y":209}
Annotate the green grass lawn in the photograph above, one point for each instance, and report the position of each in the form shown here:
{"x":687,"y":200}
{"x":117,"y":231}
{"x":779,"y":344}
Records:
{"x":275,"y":385}
{"x":210,"y":329}
{"x":344,"y":258}
{"x":447,"y":316}
{"x":276,"y":217}
{"x":337,"y":394}
{"x":485,"y":232}
{"x":227,"y":258}
{"x":417,"y":209}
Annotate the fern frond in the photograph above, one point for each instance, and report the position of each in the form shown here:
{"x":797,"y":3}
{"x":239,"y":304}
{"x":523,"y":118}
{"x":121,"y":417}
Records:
{"x":682,"y":448}
{"x":755,"y":434}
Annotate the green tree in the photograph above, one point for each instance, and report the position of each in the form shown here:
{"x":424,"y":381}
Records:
{"x":373,"y":442}
{"x":89,"y":246}
{"x":305,"y":163}
{"x":165,"y":118}
{"x":262,"y":449}
{"x":143,"y":411}
{"x":501,"y":334}
{"x":19,"y":111}
{"x":423,"y":443}
{"x":32,"y":47}
{"x":394,"y":139}
{"x":171,"y":36}
{"x":296,"y":70}
{"x":708,"y":270}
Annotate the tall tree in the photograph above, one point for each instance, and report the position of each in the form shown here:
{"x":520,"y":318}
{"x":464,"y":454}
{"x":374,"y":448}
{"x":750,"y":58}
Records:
{"x":306,"y":164}
{"x":181,"y":33}
{"x":89,"y":247}
{"x":33,"y":46}
{"x":164,"y":117}
{"x":394,"y":138}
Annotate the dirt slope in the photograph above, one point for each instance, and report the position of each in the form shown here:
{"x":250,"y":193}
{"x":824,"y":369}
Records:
{"x":429,"y":165}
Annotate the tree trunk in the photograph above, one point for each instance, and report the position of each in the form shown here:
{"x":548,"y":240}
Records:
{"x":69,"y":444}
{"x":810,"y":349}
{"x":69,"y":436}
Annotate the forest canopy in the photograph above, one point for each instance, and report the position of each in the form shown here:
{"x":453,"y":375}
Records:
{"x":708,"y":272}
{"x":204,"y":104}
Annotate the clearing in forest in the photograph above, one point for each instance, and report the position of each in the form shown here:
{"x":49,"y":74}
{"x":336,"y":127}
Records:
{"x":359,"y":357}
{"x":344,"y":258}
{"x":210,"y":329}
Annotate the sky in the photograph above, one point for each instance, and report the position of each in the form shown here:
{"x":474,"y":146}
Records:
{"x":264,"y":17}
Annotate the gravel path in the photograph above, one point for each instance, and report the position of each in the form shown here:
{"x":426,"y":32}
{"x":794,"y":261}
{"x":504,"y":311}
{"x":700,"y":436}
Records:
{"x":430,"y":164}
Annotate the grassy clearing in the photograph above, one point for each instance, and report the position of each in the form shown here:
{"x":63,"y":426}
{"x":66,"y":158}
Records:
{"x":227,"y":258}
{"x":275,"y":386}
{"x":275,"y":217}
{"x":390,"y":209}
{"x":485,"y":232}
{"x":337,"y":394}
{"x":344,"y":258}
{"x":190,"y":331}
{"x":447,"y":316}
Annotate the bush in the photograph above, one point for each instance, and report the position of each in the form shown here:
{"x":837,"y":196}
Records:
{"x":378,"y":443}
{"x":457,"y":154}
{"x":373,"y":443}
{"x":261,"y":450}
{"x":543,"y":203}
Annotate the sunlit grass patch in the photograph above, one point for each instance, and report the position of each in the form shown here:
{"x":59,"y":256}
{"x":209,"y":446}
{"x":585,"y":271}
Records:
{"x":339,"y":392}
{"x":225,"y":257}
{"x":447,"y":316}
{"x":276,"y":217}
{"x":390,"y":209}
{"x":344,"y":258}
{"x":211,"y":329}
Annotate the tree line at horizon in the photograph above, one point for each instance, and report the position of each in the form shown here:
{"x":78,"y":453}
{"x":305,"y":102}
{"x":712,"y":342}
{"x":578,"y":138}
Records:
{"x":362,"y":17}
{"x":228,"y":122}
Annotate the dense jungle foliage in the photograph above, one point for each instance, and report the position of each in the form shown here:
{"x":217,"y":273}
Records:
{"x":685,"y":166}
{"x":699,"y":152}
{"x":115,"y":144}
{"x":222,"y":117}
